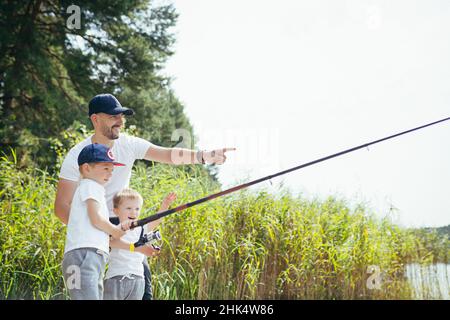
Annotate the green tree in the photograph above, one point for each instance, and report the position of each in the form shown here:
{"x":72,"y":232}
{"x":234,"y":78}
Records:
{"x":49,"y":71}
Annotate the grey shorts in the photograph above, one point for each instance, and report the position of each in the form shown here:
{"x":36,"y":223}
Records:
{"x":83,"y":271}
{"x":128,"y":287}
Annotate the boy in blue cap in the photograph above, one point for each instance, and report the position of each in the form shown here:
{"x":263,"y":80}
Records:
{"x":88,"y":229}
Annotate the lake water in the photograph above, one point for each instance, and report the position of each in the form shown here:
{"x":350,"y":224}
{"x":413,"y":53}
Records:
{"x":429,"y":282}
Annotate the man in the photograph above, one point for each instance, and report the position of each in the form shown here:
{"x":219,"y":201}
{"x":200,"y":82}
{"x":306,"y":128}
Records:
{"x":107,"y":117}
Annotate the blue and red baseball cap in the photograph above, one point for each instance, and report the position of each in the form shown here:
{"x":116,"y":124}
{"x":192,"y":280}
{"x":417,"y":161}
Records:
{"x":108,"y":104}
{"x":97,"y":153}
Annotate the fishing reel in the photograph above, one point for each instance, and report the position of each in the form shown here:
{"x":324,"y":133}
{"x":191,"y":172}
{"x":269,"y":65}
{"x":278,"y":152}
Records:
{"x":149,"y":239}
{"x":152,"y":237}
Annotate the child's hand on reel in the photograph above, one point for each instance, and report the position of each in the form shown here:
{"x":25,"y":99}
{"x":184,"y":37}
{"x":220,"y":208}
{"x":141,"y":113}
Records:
{"x":150,"y":250}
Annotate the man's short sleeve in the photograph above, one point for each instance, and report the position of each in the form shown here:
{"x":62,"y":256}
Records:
{"x":69,"y":169}
{"x":139,"y":147}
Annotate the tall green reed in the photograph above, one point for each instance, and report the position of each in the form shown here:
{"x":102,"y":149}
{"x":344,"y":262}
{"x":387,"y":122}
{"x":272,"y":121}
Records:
{"x":248,"y":245}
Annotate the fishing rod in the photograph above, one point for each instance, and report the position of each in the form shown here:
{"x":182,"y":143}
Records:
{"x":245,"y":185}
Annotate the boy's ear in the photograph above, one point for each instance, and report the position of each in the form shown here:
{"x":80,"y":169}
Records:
{"x":116,"y":211}
{"x":84,"y":167}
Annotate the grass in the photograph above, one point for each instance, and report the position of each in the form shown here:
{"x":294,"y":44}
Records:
{"x":249,"y":245}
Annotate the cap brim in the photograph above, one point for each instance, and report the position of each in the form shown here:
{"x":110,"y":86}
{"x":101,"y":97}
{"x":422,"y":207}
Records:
{"x":118,"y":164}
{"x":125,"y":111}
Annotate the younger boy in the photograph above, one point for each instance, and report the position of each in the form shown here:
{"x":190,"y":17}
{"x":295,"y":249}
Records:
{"x":125,"y":276}
{"x":87,"y":240}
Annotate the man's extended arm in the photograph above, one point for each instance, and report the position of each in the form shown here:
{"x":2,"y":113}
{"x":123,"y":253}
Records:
{"x":64,"y":195}
{"x":179,"y":156}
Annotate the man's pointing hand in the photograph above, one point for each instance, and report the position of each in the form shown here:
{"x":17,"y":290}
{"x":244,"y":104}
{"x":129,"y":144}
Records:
{"x":216,"y":156}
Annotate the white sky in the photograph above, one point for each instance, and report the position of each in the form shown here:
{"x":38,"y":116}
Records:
{"x":286,"y":82}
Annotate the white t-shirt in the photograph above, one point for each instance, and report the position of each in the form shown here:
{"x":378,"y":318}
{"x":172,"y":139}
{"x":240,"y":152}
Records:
{"x":126,"y":150}
{"x":123,"y":262}
{"x":80,"y":231}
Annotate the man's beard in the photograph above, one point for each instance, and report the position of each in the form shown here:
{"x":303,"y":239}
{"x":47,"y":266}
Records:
{"x":107,"y":132}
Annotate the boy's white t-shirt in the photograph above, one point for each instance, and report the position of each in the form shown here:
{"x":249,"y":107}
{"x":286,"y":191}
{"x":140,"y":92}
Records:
{"x":123,"y":262}
{"x":126,"y":150}
{"x":80,"y":231}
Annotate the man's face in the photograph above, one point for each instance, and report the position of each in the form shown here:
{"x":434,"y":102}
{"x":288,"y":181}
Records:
{"x":110,"y":125}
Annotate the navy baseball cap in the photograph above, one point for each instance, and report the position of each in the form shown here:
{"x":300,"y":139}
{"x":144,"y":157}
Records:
{"x":96,"y":153}
{"x":108,"y":104}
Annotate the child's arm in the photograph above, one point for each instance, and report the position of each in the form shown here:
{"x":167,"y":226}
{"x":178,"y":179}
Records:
{"x":102,"y":223}
{"x":145,"y":250}
{"x":164,"y":206}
